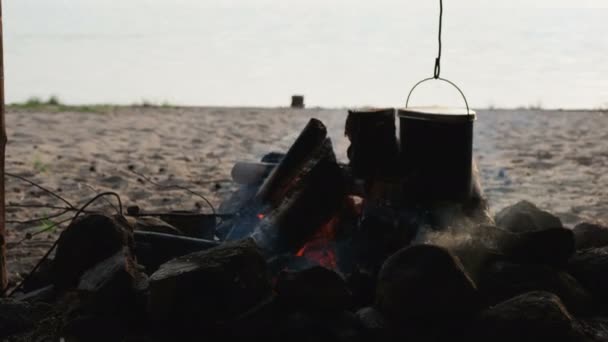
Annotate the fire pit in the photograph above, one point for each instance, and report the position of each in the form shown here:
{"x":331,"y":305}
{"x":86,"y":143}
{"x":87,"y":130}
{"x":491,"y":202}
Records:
{"x":318,"y":249}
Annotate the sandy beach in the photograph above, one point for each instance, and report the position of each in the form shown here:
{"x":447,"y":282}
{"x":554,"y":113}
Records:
{"x":556,"y":159}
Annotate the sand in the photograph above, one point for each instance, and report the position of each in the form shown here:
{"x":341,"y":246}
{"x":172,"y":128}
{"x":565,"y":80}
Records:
{"x":556,"y":159}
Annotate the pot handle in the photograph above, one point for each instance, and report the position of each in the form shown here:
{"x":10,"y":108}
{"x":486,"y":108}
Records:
{"x":407,"y":102}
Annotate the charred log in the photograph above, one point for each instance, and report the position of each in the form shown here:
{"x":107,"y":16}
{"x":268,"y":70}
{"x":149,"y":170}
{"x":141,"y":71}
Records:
{"x":314,"y":199}
{"x":374,"y":151}
{"x":280,"y":181}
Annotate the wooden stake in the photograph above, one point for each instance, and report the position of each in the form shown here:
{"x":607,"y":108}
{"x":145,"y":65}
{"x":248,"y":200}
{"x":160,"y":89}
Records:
{"x":3,"y":139}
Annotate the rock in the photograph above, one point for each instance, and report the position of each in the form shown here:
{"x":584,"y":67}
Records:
{"x":313,"y":289}
{"x":503,"y":280}
{"x":111,"y":285}
{"x":154,"y":224}
{"x":133,"y":210}
{"x":373,"y":323}
{"x":86,"y":242}
{"x":260,"y":321}
{"x":17,"y":316}
{"x":593,"y":329}
{"x":425,"y":282}
{"x":553,"y":246}
{"x":590,"y":268}
{"x":533,"y":316}
{"x":209,"y":286}
{"x":43,"y":277}
{"x":340,"y":326}
{"x":589,"y":235}
{"x":525,"y":217}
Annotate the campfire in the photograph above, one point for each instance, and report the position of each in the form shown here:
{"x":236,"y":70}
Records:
{"x":311,"y":248}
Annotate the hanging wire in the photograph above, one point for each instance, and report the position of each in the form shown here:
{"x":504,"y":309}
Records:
{"x":437,"y":72}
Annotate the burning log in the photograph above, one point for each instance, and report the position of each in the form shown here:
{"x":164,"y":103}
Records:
{"x":311,"y":140}
{"x":374,"y":152}
{"x":312,"y":201}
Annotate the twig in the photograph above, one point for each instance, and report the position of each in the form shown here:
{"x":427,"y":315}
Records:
{"x":46,"y":255}
{"x":105,"y":199}
{"x":46,"y":229}
{"x":177,"y":187}
{"x":66,"y":210}
{"x":47,"y":206}
{"x":41,"y":188}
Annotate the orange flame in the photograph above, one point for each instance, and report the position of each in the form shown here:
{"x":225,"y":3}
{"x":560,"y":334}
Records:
{"x":321,"y":248}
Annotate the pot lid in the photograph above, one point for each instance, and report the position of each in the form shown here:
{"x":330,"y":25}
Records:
{"x":437,"y":113}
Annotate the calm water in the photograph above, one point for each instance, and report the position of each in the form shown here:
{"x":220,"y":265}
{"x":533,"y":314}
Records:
{"x":337,"y":53}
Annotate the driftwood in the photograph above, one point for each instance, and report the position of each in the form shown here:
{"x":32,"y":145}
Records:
{"x":3,"y":139}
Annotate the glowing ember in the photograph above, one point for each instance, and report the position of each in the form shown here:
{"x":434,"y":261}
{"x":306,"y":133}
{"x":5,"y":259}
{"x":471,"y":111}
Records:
{"x":261,"y":216}
{"x":321,"y":248}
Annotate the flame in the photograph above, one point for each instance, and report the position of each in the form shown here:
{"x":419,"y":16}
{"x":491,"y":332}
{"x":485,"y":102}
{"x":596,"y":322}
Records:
{"x":321,"y":248}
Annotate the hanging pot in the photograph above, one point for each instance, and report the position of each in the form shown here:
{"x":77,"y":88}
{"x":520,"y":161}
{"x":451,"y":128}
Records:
{"x":436,"y":151}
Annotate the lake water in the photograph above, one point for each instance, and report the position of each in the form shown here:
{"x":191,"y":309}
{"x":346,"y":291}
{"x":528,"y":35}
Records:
{"x":336,"y":53}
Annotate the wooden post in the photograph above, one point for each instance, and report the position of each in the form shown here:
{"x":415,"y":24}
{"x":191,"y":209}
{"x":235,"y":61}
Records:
{"x":3,"y":139}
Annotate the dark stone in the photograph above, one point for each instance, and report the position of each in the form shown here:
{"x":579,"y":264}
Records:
{"x":503,"y":280}
{"x":260,"y":321}
{"x":362,"y":285}
{"x":209,"y":286}
{"x":525,"y":217}
{"x":43,"y":277}
{"x":86,"y":242}
{"x":111,"y":285}
{"x":133,"y":210}
{"x":553,"y":246}
{"x":533,"y":316}
{"x":373,"y":323}
{"x":593,"y":329}
{"x":589,"y":235}
{"x":425,"y":282}
{"x":340,"y":326}
{"x":313,"y":289}
{"x":17,"y":316}
{"x":590,"y":268}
